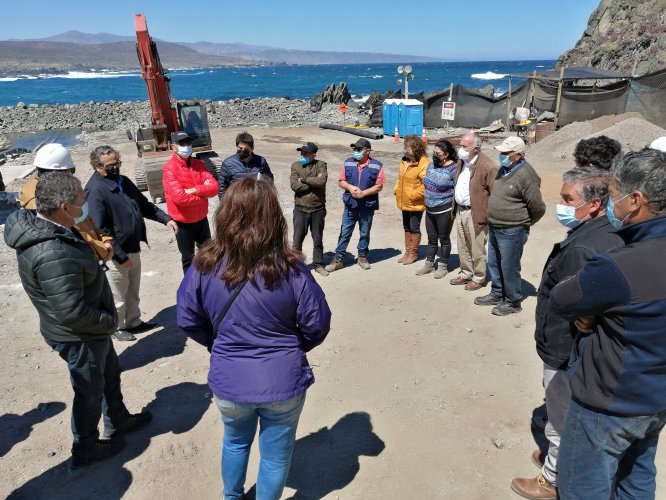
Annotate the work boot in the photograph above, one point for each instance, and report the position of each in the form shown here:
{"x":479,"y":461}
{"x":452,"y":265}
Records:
{"x":534,"y":489}
{"x":538,"y":458}
{"x":100,"y":450}
{"x":123,"y":335}
{"x":428,"y":267}
{"x":130,"y":424}
{"x":442,"y":270}
{"x":321,"y":270}
{"x":404,"y":254}
{"x":335,"y":265}
{"x":363,"y":262}
{"x":504,"y":309}
{"x":488,"y":300}
{"x":412,"y":254}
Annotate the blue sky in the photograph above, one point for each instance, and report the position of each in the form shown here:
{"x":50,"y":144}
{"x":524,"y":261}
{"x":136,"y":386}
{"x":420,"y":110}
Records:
{"x":463,"y":30}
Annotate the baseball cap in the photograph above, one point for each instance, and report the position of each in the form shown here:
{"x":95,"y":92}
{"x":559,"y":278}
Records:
{"x":308,"y":147}
{"x":512,"y":143}
{"x":180,"y":136}
{"x":361,"y":143}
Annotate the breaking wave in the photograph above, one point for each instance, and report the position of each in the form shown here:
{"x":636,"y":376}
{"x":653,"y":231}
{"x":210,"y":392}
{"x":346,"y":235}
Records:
{"x":488,"y":75}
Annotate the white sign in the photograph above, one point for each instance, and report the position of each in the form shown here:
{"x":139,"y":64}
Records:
{"x":448,"y":111}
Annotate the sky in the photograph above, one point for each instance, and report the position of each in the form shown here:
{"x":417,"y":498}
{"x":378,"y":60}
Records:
{"x":468,"y":30}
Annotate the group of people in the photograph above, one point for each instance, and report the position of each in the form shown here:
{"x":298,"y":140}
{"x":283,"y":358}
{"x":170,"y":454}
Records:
{"x":248,"y":297}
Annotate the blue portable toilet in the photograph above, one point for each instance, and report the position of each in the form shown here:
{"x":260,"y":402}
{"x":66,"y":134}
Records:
{"x":406,"y":114}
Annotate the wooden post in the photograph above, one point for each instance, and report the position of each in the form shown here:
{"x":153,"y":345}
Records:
{"x":559,"y":97}
{"x":508,"y":107}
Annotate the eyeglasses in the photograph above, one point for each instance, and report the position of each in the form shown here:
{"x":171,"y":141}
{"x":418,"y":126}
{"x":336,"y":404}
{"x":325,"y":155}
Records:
{"x":117,"y":164}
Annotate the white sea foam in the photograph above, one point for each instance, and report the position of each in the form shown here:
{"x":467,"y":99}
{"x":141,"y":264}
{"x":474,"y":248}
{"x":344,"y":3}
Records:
{"x":360,"y":100}
{"x":488,"y":75}
{"x":92,"y":74}
{"x":9,"y":79}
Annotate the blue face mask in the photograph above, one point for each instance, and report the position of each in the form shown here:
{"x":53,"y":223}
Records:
{"x":304,"y":160}
{"x":358,"y":155}
{"x":566,"y":215}
{"x":610,"y":213}
{"x":84,"y":215}
{"x":505,"y":161}
{"x":184,"y":151}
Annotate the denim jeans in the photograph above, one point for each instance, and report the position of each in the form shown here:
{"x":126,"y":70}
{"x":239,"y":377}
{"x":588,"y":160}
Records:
{"x":189,"y":234}
{"x":505,"y":249}
{"x":607,"y":456}
{"x":277,"y":436}
{"x":349,"y":219}
{"x":94,"y":372}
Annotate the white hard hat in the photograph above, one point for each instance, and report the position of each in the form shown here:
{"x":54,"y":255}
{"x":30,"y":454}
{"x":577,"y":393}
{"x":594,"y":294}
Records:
{"x":659,"y":143}
{"x":53,"y":157}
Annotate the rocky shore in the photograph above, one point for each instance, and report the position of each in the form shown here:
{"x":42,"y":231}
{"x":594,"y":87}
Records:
{"x":110,"y":115}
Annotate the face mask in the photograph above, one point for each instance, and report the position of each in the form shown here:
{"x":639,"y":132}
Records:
{"x":436,"y":158}
{"x":242,"y":154}
{"x":358,"y":155}
{"x":505,"y":161}
{"x":463,"y":154}
{"x":112,"y":173}
{"x":610,"y":213}
{"x":567,"y":215}
{"x":84,"y":215}
{"x":185,"y":151}
{"x":304,"y":160}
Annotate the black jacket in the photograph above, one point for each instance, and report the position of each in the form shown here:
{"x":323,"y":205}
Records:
{"x":554,"y":335}
{"x":233,"y":168}
{"x":119,"y":210}
{"x":63,"y":278}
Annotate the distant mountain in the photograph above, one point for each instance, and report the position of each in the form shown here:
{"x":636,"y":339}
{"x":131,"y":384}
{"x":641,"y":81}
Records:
{"x":80,"y":38}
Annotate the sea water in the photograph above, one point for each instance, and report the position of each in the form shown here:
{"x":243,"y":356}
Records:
{"x":259,"y":81}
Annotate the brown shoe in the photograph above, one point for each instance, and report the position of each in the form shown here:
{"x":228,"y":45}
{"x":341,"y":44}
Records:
{"x":412,"y":254}
{"x":534,"y":489}
{"x":473,"y":286}
{"x":402,"y":257}
{"x":538,"y":458}
{"x":460,"y":280}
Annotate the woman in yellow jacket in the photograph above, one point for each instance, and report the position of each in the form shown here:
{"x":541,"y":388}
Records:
{"x":409,"y":194}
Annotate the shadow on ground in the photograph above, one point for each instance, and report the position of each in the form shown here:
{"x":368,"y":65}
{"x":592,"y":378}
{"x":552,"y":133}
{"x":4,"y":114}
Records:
{"x":176,"y":409}
{"x":17,"y":428}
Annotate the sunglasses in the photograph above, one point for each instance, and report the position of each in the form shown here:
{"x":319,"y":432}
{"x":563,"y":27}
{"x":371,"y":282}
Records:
{"x":118,"y":164}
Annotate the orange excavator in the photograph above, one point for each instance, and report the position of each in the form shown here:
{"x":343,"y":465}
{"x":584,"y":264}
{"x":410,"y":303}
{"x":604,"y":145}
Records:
{"x":153,"y":143}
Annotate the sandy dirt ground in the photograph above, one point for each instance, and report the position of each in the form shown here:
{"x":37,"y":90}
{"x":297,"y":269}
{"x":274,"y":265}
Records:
{"x":419,"y":393}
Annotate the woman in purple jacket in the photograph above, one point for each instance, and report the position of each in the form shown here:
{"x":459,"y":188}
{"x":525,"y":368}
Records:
{"x":258,"y":368}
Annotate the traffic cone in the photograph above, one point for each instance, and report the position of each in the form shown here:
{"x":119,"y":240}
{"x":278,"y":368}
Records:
{"x":396,"y":137}
{"x":424,"y":138}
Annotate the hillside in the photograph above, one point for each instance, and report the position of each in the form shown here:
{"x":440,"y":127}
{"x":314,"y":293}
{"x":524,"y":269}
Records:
{"x":621,"y":33}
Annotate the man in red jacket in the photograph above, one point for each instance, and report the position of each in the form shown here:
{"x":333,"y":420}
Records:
{"x":187,"y":187}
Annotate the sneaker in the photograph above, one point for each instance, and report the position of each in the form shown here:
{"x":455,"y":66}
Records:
{"x":335,"y":265}
{"x":321,"y":270}
{"x":132,"y":423}
{"x":363,"y":263}
{"x":504,"y":309}
{"x":488,"y":300}
{"x":123,"y":335}
{"x":142,"y":327}
{"x":101,"y":450}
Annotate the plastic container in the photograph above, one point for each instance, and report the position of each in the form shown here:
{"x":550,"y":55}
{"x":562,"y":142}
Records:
{"x":406,"y":114}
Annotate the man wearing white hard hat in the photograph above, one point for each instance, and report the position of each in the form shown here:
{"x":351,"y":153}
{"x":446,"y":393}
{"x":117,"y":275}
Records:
{"x":515,"y":204}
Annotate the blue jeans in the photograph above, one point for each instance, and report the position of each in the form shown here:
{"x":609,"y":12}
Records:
{"x":277,"y":436}
{"x":607,"y":456}
{"x":349,"y":219}
{"x":505,"y":249}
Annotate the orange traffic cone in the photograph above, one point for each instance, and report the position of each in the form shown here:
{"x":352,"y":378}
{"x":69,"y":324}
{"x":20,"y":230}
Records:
{"x":424,"y":138}
{"x":396,"y":137}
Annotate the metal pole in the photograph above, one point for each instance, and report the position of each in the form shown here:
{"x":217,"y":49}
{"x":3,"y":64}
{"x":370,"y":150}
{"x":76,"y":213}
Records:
{"x":508,"y":107}
{"x":406,"y":86}
{"x":559,"y":97}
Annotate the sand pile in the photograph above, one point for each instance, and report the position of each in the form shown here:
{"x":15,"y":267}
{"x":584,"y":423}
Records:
{"x":630,"y":129}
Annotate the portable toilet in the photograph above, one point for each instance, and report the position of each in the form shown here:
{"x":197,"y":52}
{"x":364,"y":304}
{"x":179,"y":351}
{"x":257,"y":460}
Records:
{"x":406,"y":114}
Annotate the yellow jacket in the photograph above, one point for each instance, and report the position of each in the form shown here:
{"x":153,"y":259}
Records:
{"x":409,"y":189}
{"x":87,"y":228}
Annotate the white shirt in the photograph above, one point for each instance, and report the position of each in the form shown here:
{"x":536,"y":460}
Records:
{"x":462,"y":185}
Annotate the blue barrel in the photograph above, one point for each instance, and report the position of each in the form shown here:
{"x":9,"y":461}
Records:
{"x":406,"y":114}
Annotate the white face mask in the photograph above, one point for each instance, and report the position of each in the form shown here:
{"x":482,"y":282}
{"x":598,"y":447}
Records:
{"x":185,"y":151}
{"x":463,"y":154}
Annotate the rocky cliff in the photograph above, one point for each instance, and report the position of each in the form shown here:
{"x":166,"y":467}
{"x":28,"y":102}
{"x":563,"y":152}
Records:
{"x":621,"y":33}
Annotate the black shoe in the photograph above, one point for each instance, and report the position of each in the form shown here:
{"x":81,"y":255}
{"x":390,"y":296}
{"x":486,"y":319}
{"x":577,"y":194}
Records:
{"x":488,"y":300}
{"x":142,"y":327}
{"x":505,"y":309}
{"x":132,"y":423}
{"x":101,"y":450}
{"x":123,"y":335}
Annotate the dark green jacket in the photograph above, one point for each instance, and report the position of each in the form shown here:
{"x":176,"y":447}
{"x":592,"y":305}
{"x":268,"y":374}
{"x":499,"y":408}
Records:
{"x":63,"y":278}
{"x":309,"y":185}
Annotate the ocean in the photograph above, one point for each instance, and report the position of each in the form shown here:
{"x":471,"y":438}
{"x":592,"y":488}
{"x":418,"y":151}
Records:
{"x":258,"y":81}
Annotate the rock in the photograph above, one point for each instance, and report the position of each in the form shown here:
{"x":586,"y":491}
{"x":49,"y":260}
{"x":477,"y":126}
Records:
{"x":333,"y":94}
{"x":20,"y":105}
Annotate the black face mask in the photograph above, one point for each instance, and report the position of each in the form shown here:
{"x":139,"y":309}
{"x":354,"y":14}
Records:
{"x":436,"y":158}
{"x":243,"y":154}
{"x":112,"y":173}
{"x":406,"y":158}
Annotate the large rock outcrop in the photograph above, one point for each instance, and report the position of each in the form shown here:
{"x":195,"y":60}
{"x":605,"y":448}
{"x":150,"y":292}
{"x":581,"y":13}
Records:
{"x":621,"y":33}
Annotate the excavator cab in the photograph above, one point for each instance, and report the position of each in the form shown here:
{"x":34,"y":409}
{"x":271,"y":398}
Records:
{"x":194,"y":122}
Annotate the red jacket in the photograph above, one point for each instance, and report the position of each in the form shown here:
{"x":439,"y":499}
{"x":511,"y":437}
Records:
{"x":176,"y":178}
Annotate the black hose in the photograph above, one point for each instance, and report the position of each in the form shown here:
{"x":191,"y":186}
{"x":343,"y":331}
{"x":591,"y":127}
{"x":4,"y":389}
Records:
{"x":362,"y":133}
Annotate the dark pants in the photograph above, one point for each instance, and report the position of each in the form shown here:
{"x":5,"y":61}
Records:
{"x":411,"y":221}
{"x":505,"y":249}
{"x":190,"y":233}
{"x":438,"y":227}
{"x":95,"y":375}
{"x":313,"y":221}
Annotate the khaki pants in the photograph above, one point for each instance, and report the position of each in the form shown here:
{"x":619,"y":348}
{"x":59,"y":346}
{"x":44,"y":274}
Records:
{"x":125,"y":287}
{"x":471,"y":247}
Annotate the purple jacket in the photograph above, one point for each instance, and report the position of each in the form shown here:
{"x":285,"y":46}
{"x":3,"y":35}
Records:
{"x":259,"y":353}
